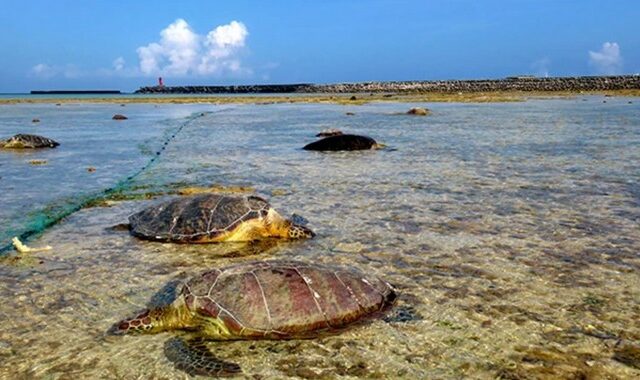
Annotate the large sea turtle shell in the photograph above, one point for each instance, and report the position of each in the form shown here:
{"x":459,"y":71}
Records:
{"x":25,"y":141}
{"x":208,"y":218}
{"x":280,"y":299}
{"x":277,"y":299}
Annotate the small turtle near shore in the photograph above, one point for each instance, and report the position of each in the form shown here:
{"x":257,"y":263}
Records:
{"x":25,"y":141}
{"x":418,"y":111}
{"x":343,"y":142}
{"x":260,"y":300}
{"x":213,"y":218}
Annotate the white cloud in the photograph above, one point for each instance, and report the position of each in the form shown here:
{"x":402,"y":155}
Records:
{"x":541,"y":67}
{"x":608,"y":60}
{"x":181,"y":51}
{"x":70,"y":71}
{"x":118,"y":64}
{"x":42,"y":70}
{"x":227,"y":36}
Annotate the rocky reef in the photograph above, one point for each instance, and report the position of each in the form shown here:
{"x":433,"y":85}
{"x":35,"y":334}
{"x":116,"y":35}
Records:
{"x":520,"y":83}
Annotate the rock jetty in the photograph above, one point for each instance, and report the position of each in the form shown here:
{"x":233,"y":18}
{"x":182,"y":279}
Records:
{"x":520,"y":83}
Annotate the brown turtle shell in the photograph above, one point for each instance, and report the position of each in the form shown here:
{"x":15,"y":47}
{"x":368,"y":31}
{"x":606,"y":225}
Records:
{"x":25,"y":141}
{"x":280,"y":299}
{"x":196,"y":218}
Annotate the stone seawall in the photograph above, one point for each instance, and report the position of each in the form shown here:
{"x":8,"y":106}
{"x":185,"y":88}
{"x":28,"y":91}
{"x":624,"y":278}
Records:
{"x":590,"y":83}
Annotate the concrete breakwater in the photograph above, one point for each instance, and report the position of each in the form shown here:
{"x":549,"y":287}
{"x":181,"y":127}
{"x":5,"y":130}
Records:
{"x":523,"y":83}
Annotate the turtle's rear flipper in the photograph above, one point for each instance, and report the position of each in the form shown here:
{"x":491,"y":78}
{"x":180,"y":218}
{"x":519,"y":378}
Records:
{"x":193,"y":357}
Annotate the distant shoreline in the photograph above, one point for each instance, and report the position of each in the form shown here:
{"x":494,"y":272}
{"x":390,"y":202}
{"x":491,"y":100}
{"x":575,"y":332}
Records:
{"x":343,"y":99}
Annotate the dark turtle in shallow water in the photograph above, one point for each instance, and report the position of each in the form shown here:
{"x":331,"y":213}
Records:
{"x":25,"y":141}
{"x":260,"y":300}
{"x":212,"y":218}
{"x":343,"y":142}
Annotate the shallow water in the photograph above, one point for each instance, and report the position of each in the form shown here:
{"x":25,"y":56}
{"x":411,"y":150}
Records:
{"x":90,"y":139}
{"x":511,"y":231}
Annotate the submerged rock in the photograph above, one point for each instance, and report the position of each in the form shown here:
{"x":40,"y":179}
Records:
{"x":343,"y":142}
{"x":119,"y":117}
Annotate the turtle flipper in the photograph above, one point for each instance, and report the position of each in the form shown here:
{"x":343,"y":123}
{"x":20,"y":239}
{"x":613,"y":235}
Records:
{"x":193,"y":357}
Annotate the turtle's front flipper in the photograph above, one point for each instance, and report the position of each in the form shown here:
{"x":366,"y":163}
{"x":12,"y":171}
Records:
{"x":193,"y":357}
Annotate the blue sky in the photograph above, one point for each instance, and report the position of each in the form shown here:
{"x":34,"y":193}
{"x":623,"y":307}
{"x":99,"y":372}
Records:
{"x":120,"y":44}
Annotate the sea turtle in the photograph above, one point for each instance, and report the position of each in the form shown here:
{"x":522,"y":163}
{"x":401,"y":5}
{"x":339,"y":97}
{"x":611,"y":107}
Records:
{"x":329,"y":132}
{"x":343,"y":142}
{"x":211,"y":218}
{"x":419,"y":111}
{"x":275,"y":299}
{"x":24,"y":141}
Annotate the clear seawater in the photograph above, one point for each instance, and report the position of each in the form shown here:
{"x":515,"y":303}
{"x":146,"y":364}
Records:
{"x":512,"y":231}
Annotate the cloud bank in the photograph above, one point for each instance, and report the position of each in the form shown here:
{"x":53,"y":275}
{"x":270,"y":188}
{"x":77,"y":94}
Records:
{"x":46,"y":71}
{"x":181,"y":51}
{"x":608,"y":60}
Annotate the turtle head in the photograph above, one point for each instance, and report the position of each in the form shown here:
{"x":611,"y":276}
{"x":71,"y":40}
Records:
{"x":144,"y":322}
{"x":288,"y":228}
{"x":378,"y":146}
{"x":297,"y":231}
{"x":152,"y":321}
